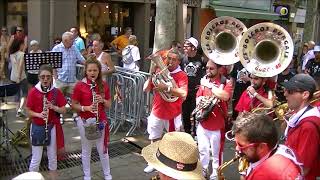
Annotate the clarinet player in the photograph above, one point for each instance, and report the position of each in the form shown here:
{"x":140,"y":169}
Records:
{"x":90,"y":98}
{"x":44,"y":103}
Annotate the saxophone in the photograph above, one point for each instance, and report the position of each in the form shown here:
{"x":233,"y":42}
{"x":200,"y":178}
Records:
{"x":164,"y":77}
{"x":242,"y":167}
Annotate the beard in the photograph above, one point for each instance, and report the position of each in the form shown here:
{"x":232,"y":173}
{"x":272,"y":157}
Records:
{"x":254,"y":158}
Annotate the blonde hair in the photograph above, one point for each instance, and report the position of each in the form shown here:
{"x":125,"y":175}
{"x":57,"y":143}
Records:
{"x":133,"y":40}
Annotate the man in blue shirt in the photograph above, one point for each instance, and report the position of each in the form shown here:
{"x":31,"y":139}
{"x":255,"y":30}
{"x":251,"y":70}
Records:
{"x":65,"y":77}
{"x":78,"y":41}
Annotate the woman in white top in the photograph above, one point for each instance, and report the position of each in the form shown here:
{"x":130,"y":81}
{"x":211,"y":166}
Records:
{"x":131,"y":54}
{"x":18,"y":74}
{"x":104,"y":58}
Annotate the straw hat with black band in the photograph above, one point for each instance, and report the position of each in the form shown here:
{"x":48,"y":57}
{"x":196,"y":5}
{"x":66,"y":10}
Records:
{"x":176,"y":156}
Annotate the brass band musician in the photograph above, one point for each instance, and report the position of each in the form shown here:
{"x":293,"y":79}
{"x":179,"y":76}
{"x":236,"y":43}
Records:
{"x":256,"y":137}
{"x":164,"y":114}
{"x":258,"y":93}
{"x":302,"y":133}
{"x":210,"y":131}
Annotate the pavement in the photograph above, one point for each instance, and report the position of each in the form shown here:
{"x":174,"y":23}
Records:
{"x":124,"y":167}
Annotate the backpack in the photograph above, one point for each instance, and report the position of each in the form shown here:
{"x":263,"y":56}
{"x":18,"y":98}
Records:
{"x":127,"y":58}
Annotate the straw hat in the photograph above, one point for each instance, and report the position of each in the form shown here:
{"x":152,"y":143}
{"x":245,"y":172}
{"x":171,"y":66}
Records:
{"x":176,"y":155}
{"x":29,"y":175}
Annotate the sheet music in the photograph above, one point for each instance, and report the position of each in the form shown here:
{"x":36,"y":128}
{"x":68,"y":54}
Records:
{"x":33,"y":61}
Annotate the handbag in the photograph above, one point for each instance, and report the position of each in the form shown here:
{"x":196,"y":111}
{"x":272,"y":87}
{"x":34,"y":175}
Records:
{"x":38,"y":135}
{"x":92,"y":130}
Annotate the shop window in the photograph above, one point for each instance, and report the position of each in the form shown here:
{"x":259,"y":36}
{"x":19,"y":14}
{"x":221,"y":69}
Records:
{"x":17,"y":15}
{"x":107,"y":19}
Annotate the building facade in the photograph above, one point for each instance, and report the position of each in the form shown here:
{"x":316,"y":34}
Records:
{"x":45,"y":20}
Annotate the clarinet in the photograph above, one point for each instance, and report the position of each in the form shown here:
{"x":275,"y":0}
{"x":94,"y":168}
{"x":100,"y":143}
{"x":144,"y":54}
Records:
{"x":46,"y":110}
{"x":94,"y":101}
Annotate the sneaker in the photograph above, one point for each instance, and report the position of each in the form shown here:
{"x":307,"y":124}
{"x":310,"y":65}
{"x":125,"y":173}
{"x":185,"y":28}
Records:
{"x":148,"y":169}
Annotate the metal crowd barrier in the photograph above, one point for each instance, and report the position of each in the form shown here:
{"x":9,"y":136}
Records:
{"x":130,"y":105}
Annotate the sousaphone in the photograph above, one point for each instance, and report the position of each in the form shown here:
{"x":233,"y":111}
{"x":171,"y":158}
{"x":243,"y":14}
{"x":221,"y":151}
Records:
{"x":266,"y":49}
{"x":220,"y":39}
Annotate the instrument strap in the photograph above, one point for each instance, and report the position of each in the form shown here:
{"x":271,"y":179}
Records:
{"x":306,"y":110}
{"x":223,"y":80}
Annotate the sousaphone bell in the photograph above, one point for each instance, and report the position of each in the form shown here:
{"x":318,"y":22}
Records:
{"x":220,"y":39}
{"x":266,"y":49}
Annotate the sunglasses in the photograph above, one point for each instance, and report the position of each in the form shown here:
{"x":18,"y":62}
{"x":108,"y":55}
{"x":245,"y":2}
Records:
{"x":210,"y":68}
{"x":19,"y":30}
{"x":45,"y":77}
{"x":293,"y":91}
{"x":241,"y":148}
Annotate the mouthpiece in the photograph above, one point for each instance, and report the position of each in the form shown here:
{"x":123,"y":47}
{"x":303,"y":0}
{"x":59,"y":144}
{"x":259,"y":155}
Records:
{"x":45,"y":88}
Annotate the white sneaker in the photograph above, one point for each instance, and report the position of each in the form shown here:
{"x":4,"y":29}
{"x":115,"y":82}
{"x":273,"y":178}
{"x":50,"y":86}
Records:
{"x":148,"y":169}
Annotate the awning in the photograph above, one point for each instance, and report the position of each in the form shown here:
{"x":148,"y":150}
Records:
{"x":244,"y":13}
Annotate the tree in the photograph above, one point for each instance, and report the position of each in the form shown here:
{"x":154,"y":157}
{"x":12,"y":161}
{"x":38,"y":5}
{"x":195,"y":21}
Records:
{"x":165,"y":24}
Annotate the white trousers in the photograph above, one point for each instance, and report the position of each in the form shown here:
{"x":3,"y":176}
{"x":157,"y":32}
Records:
{"x":51,"y":152}
{"x":156,"y":126}
{"x":86,"y":153}
{"x":209,"y":140}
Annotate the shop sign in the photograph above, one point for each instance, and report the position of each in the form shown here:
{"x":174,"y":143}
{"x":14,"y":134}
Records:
{"x":283,"y":11}
{"x":191,"y":3}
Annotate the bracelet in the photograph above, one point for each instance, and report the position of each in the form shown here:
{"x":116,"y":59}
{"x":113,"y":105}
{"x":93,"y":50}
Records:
{"x":255,"y":94}
{"x":82,"y":108}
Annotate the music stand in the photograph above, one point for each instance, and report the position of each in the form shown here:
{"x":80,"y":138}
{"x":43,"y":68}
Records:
{"x":33,"y":61}
{"x":5,"y":91}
